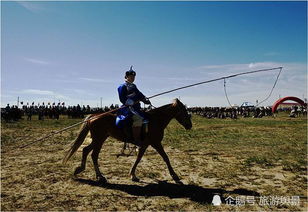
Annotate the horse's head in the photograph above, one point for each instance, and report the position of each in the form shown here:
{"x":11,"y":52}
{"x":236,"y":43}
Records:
{"x":182,"y":116}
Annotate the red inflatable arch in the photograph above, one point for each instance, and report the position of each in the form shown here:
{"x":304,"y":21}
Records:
{"x":293,"y":98}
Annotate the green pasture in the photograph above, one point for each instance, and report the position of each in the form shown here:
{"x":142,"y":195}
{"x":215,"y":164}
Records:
{"x":266,"y":141}
{"x":266,"y":155}
{"x":249,"y":145}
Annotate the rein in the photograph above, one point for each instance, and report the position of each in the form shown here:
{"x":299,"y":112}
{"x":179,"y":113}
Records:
{"x":71,"y":126}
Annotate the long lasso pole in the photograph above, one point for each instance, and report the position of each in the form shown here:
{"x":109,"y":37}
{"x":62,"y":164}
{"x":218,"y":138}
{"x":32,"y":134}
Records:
{"x":159,"y":94}
{"x":213,"y":80}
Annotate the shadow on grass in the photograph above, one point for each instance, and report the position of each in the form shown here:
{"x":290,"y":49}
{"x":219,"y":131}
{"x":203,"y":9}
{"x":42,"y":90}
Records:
{"x":192,"y":192}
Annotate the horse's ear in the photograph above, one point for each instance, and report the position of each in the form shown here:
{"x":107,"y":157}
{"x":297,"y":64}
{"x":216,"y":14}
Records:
{"x":175,"y":102}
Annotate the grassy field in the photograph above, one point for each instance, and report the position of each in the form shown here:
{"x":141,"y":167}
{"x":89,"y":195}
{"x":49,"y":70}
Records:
{"x":260,"y":163}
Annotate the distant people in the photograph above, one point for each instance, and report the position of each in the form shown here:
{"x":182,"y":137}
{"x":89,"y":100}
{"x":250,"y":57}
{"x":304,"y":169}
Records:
{"x":294,"y":112}
{"x":41,"y":113}
{"x":29,"y":112}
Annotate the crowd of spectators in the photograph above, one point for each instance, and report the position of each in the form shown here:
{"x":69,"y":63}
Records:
{"x":251,"y":111}
{"x":13,"y":113}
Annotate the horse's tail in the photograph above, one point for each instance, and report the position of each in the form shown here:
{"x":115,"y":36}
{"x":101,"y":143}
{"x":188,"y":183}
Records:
{"x":84,"y":130}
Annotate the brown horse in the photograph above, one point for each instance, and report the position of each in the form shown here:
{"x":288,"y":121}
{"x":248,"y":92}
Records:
{"x":104,"y":126}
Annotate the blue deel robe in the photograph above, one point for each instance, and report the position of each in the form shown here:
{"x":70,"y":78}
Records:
{"x":129,"y":91}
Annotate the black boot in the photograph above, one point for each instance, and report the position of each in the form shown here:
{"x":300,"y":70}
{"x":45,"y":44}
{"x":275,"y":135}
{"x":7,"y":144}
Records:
{"x":137,"y":135}
{"x":129,"y":138}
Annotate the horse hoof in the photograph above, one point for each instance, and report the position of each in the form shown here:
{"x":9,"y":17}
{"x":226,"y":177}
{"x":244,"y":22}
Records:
{"x":179,"y":182}
{"x":101,"y":180}
{"x":78,"y":170}
{"x":135,"y":179}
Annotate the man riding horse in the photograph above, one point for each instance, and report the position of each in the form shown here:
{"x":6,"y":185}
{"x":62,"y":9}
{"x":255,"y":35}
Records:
{"x":130,"y":97}
{"x":102,"y":126}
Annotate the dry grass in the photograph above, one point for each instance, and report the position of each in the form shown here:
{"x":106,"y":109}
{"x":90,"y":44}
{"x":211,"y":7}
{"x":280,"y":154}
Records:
{"x":245,"y":157}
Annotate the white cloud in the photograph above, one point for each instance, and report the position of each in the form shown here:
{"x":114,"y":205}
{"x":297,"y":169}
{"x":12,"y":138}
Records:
{"x":80,"y":92}
{"x":37,"y":61}
{"x":95,"y":80}
{"x":289,"y":70}
{"x":43,"y":93}
{"x":292,"y":81}
{"x":31,"y":6}
{"x":37,"y":92}
{"x":232,"y":68}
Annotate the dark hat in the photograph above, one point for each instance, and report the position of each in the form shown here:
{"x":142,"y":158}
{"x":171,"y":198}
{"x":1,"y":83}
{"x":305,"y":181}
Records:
{"x":130,"y":72}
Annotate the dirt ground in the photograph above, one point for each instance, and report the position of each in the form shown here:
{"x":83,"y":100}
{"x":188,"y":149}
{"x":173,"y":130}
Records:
{"x":34,"y":179}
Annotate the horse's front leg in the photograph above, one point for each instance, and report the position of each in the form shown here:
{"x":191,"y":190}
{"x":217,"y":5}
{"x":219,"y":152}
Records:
{"x":159,"y":148}
{"x":133,"y":169}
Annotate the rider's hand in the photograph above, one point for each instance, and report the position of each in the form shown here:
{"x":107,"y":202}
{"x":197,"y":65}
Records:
{"x":146,"y":101}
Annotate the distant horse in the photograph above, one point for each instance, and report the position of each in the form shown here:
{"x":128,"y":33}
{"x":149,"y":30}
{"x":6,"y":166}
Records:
{"x":103,"y":127}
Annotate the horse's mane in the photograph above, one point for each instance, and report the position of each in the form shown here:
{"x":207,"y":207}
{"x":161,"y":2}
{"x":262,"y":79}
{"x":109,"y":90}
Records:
{"x":159,"y":109}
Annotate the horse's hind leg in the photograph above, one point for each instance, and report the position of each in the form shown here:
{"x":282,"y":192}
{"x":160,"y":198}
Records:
{"x":85,"y":153}
{"x":159,"y":148}
{"x":97,"y":145}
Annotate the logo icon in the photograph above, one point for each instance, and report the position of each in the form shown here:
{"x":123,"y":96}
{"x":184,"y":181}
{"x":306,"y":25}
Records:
{"x":216,"y":200}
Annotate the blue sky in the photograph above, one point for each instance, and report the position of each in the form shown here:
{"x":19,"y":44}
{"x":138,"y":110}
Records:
{"x":78,"y":52}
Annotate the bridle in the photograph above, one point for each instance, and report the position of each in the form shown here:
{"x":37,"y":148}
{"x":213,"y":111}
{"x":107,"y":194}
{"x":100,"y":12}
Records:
{"x":184,"y":114}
